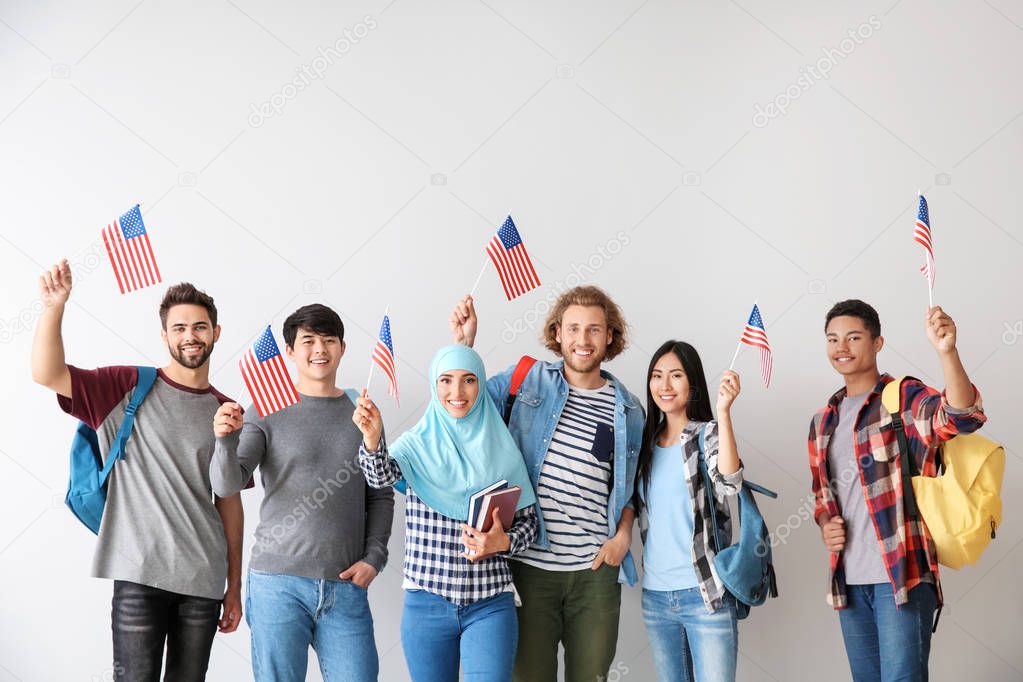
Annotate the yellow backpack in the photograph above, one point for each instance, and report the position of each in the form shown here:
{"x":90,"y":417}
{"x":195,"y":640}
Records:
{"x":962,"y":506}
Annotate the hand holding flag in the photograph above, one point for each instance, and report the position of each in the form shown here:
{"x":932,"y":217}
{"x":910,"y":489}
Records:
{"x":367,"y":418}
{"x":266,"y":376}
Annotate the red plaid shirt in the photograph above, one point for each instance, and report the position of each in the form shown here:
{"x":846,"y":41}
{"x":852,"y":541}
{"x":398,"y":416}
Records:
{"x":905,"y":544}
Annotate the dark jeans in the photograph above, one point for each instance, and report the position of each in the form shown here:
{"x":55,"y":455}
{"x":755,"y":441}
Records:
{"x":144,"y":617}
{"x":579,"y":609}
{"x":885,"y":643}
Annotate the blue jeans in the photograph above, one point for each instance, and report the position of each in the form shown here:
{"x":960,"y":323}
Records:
{"x":884,"y":643}
{"x":435,"y":634}
{"x":685,"y":639}
{"x":287,"y":614}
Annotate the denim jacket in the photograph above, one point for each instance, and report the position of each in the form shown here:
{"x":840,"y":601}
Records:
{"x":538,"y":407}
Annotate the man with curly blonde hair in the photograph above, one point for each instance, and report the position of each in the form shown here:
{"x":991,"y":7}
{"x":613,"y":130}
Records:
{"x":580,"y":431}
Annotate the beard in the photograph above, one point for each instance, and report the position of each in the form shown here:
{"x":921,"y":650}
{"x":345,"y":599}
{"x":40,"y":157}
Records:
{"x":192,"y":362}
{"x":582,"y":365}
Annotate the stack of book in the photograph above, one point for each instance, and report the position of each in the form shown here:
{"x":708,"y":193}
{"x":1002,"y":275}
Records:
{"x":500,"y":496}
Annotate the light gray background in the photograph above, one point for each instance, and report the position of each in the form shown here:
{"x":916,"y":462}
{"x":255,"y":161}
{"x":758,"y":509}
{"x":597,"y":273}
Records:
{"x":622,"y":137}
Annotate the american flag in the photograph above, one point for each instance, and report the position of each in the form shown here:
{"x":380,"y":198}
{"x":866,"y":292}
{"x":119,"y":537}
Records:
{"x":266,"y":377}
{"x":754,"y":334}
{"x":922,"y":236}
{"x":383,"y":355}
{"x":130,"y":252}
{"x":509,"y":255}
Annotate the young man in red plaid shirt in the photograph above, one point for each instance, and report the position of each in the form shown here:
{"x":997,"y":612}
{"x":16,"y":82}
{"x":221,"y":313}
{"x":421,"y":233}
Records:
{"x":884,"y":568}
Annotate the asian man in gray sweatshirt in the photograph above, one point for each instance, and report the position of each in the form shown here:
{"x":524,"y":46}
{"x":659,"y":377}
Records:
{"x":323,"y":532}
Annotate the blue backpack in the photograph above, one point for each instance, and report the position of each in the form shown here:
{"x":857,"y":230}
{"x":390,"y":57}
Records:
{"x":87,"y":486}
{"x":745,"y":567}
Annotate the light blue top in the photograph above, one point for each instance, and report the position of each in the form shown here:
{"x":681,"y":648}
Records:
{"x":538,"y":408}
{"x":668,"y":551}
{"x":447,"y":460}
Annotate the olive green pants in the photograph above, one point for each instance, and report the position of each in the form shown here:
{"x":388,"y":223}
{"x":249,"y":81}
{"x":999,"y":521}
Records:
{"x":578,"y":609}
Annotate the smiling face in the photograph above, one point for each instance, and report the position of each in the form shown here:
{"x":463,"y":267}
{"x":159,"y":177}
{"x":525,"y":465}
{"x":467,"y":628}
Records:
{"x":190,"y":335}
{"x":584,"y":336}
{"x":669,"y":384}
{"x":457,"y":391}
{"x":316,"y":356}
{"x":851,"y":348}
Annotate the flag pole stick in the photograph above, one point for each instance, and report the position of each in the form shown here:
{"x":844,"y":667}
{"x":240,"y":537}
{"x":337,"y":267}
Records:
{"x":372,"y":362}
{"x":479,"y":276}
{"x":738,"y":346}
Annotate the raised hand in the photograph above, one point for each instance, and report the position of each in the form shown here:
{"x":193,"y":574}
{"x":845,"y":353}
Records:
{"x":941,"y":330}
{"x":55,"y":284}
{"x":728,"y":391}
{"x":228,"y":419}
{"x":367,"y":418}
{"x":463,"y":322}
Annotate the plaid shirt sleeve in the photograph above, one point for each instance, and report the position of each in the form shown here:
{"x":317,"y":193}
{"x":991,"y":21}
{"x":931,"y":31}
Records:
{"x":724,"y":485}
{"x":821,"y":492}
{"x":523,"y":530}
{"x":378,"y":467}
{"x":930,"y":418}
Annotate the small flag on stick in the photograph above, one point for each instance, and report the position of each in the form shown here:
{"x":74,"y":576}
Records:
{"x":754,"y":334}
{"x":130,"y":252}
{"x":383,"y":356}
{"x":922,"y":236}
{"x":266,"y":376}
{"x":509,"y":256}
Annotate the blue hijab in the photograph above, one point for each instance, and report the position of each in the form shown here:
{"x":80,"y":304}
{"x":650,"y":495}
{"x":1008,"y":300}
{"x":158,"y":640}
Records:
{"x":445,"y":459}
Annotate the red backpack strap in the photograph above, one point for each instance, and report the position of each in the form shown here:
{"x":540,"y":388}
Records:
{"x":518,"y":376}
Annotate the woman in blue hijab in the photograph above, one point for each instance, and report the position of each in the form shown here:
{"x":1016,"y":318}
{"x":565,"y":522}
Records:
{"x":459,"y":597}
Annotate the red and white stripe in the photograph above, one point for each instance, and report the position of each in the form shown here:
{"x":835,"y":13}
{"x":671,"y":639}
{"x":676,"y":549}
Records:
{"x":752,"y":336}
{"x":922,"y":236}
{"x":927,"y":269}
{"x":132,"y":259}
{"x":513,"y":267}
{"x":385,"y":360}
{"x":268,"y":382}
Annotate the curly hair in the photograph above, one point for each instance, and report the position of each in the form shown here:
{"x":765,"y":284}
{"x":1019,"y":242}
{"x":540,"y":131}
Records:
{"x":586,"y":296}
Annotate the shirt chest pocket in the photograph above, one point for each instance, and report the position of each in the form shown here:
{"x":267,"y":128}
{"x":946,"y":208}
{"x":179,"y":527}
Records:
{"x":883,"y":441}
{"x":527,"y":404}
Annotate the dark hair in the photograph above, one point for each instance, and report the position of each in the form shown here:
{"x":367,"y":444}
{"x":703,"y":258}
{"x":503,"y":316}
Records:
{"x":586,"y":296}
{"x":185,"y":293}
{"x":854,"y":307}
{"x":698,"y":407}
{"x":315,"y":317}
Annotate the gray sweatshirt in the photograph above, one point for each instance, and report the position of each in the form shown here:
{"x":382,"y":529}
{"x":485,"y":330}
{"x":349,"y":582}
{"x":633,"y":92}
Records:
{"x":318,"y":515}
